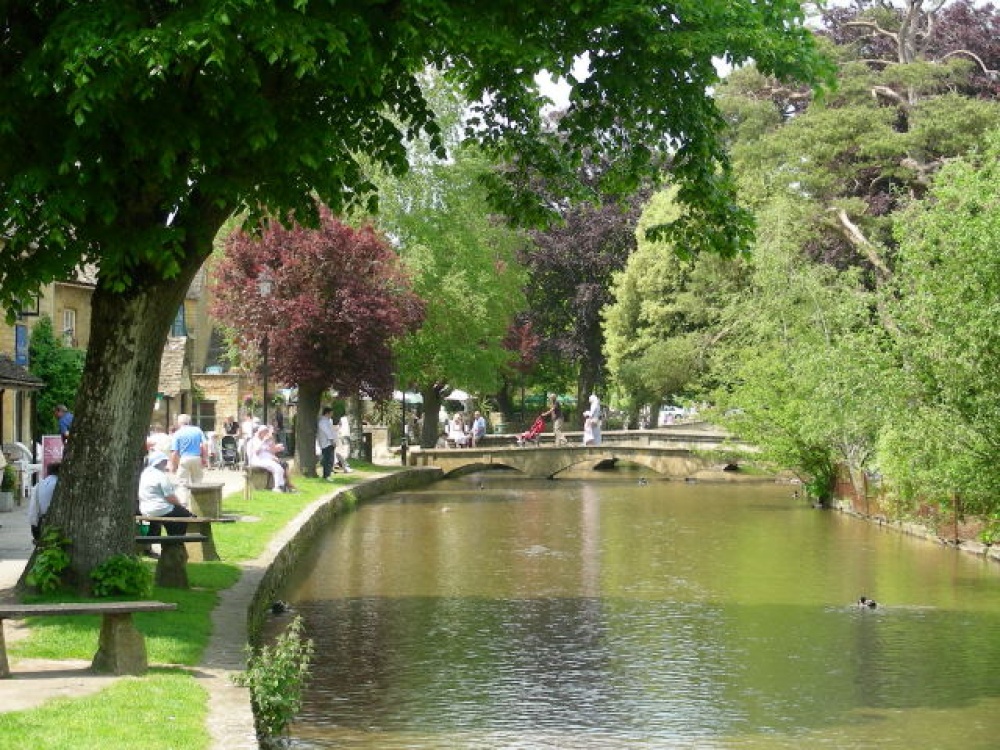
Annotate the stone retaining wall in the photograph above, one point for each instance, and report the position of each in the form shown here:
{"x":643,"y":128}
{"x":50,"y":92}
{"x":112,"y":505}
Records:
{"x":921,"y":531}
{"x":301,"y":535}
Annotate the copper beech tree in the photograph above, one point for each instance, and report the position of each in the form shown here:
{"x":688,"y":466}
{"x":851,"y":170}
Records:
{"x":339,"y":298}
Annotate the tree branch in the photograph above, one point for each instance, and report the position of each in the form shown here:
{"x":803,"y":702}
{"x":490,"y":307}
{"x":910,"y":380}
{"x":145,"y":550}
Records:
{"x":988,"y":71}
{"x":874,"y":27}
{"x":889,"y":93}
{"x":852,"y":232}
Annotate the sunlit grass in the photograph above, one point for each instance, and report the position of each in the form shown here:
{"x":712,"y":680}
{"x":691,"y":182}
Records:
{"x":162,"y":711}
{"x":165,"y":709}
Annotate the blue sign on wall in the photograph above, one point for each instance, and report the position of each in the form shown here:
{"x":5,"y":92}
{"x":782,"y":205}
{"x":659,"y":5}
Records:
{"x":21,"y":345}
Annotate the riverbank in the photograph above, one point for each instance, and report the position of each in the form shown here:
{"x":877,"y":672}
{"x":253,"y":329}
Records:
{"x":239,"y":613}
{"x":922,"y":531}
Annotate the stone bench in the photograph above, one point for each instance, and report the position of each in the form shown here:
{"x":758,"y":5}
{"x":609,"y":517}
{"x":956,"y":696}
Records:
{"x":259,"y":478}
{"x":121,"y":648}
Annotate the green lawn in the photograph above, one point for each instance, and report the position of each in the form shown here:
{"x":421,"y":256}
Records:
{"x":132,"y":713}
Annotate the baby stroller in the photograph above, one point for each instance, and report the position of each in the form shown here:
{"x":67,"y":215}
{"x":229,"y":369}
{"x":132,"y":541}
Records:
{"x":531,"y":434}
{"x":230,"y":451}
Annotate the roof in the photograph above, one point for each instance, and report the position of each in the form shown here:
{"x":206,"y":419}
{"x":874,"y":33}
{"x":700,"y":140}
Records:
{"x":174,"y":376}
{"x":16,"y":378}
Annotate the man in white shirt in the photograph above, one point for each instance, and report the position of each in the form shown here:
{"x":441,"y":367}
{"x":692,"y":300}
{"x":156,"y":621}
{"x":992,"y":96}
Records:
{"x":326,"y":439}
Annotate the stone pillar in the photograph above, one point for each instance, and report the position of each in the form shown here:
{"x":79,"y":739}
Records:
{"x":171,"y":569}
{"x":121,"y":648}
{"x":206,"y":499}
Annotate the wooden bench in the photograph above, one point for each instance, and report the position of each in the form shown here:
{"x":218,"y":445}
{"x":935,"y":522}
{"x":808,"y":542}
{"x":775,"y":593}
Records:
{"x":121,"y":648}
{"x":205,"y":551}
{"x":171,"y":568}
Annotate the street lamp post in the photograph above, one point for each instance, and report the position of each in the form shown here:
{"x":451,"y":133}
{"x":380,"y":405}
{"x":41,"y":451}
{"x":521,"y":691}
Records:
{"x":264,"y":286}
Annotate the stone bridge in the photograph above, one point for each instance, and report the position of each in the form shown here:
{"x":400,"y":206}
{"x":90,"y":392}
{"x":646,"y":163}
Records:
{"x":676,"y":455}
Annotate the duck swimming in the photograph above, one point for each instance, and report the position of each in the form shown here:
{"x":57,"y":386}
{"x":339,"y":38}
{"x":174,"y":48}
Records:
{"x":864,"y":601}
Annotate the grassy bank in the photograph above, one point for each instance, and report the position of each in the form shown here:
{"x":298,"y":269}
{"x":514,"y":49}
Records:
{"x":166,"y":708}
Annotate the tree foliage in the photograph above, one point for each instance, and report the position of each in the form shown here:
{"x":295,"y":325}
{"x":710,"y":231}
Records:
{"x":800,"y":369}
{"x":570,"y":268}
{"x":665,"y":316}
{"x":865,"y":337}
{"x":463,"y":260}
{"x":60,"y":367}
{"x":862,"y":151}
{"x":339,"y":300}
{"x":942,"y":439}
{"x":130,"y":132}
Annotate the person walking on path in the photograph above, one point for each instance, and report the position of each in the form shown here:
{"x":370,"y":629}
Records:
{"x":188,"y":455}
{"x":556,"y":413}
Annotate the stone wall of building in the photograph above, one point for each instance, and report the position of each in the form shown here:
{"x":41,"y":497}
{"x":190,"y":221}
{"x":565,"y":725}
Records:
{"x":226,"y":391}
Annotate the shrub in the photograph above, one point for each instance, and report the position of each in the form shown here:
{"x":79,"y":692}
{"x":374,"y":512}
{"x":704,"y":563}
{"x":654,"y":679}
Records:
{"x":51,"y":559}
{"x":8,"y":482}
{"x":122,"y":575}
{"x":275,"y":677}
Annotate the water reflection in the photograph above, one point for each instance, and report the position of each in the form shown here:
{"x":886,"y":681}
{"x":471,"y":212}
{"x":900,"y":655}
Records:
{"x":574,"y":615}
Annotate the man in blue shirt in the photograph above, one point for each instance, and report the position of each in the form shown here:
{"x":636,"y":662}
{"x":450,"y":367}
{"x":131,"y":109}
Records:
{"x":65,"y":418}
{"x":188,"y":455}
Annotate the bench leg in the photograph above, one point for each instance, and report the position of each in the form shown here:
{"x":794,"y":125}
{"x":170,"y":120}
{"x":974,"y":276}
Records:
{"x":171,"y":568}
{"x":121,"y":648}
{"x":4,"y":666}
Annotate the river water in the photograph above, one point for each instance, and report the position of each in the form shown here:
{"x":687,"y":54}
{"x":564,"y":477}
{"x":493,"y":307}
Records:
{"x":495,"y":612}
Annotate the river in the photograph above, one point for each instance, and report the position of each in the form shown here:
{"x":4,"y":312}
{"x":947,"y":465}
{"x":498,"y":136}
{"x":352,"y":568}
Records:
{"x":495,"y":612}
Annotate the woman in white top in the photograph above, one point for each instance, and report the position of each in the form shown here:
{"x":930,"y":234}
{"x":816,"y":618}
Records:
{"x":261,"y":450}
{"x":595,"y":414}
{"x":588,"y":428}
{"x":456,"y":432}
{"x":343,"y":450}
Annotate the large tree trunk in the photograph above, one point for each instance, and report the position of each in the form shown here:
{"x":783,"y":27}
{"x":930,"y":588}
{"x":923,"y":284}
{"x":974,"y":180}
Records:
{"x":432,"y":405}
{"x":96,"y":496}
{"x":310,"y":397}
{"x":98,"y":482}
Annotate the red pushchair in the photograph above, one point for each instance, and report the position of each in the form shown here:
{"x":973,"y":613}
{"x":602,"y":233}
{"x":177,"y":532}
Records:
{"x":531,"y":434}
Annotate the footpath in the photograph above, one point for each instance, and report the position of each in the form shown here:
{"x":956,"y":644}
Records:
{"x":230,"y":719}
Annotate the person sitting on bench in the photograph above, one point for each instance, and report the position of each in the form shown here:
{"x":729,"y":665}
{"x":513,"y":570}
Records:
{"x":262,"y":452}
{"x":157,"y":496}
